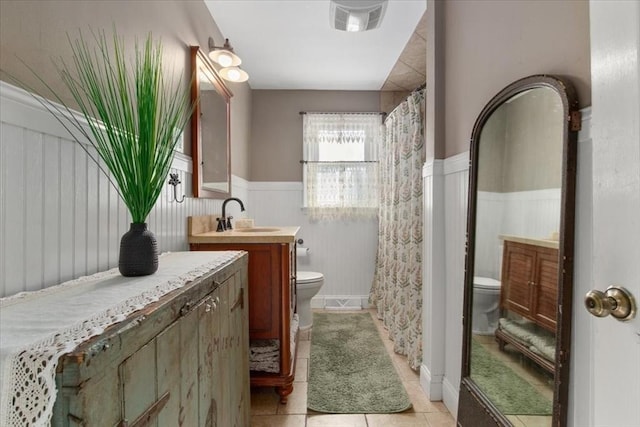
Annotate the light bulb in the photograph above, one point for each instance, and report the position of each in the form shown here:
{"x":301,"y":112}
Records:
{"x":234,"y":75}
{"x":225,"y":60}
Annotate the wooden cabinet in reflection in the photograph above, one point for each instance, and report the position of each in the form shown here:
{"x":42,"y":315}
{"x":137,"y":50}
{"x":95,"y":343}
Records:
{"x":530,"y":290}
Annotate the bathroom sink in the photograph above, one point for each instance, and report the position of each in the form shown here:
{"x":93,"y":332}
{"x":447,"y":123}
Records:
{"x":257,"y":229}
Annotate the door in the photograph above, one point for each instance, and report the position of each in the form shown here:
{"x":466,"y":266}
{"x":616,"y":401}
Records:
{"x":519,"y":263}
{"x":614,"y":345}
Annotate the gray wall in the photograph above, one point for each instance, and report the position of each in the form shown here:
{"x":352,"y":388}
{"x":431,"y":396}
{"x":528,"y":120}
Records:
{"x":36,"y":31}
{"x":276,"y":139}
{"x":489,"y":44}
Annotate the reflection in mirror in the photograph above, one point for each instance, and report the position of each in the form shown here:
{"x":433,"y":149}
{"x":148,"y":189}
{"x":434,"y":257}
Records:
{"x":518,"y":227}
{"x":210,"y":137}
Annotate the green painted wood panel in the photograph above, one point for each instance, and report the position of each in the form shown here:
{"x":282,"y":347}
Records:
{"x":137,"y":378}
{"x":197,"y":359}
{"x":189,"y":370}
{"x":168,"y":355}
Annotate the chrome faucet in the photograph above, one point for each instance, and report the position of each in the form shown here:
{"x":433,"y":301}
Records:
{"x":224,"y":223}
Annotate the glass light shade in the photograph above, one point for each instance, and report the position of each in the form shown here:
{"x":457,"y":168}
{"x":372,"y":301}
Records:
{"x":225,"y":58}
{"x":357,"y":22}
{"x":234,"y":74}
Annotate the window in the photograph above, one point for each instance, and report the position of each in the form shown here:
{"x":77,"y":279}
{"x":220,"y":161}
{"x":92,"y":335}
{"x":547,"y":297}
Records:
{"x":341,"y":164}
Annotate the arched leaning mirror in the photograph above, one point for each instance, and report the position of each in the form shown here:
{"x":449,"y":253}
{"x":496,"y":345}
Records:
{"x":519,"y":262}
{"x":210,"y":124}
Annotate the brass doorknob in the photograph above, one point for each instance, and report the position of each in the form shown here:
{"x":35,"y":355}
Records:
{"x":615,"y":301}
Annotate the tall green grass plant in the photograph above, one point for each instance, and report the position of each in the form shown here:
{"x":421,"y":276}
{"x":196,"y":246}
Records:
{"x":135,"y":116}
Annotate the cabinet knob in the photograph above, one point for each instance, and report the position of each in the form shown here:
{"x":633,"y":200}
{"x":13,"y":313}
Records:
{"x":615,"y":301}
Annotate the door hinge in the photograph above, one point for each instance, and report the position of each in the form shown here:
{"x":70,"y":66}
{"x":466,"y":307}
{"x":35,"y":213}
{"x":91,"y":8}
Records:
{"x":575,"y":121}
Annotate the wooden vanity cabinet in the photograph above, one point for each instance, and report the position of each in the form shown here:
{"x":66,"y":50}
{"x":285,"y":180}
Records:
{"x":530,"y":282}
{"x":272,"y":304}
{"x":181,"y":361}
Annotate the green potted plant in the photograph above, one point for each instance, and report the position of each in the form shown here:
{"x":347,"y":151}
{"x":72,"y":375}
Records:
{"x":135,"y":118}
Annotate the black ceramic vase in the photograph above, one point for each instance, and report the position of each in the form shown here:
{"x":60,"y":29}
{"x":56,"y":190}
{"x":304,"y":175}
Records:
{"x":138,"y":251}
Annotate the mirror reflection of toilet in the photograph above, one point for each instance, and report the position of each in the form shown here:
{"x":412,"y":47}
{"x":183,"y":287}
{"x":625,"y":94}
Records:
{"x":486,"y":294}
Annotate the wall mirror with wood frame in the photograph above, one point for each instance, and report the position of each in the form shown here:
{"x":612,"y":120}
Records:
{"x":210,"y":129}
{"x":519,"y":261}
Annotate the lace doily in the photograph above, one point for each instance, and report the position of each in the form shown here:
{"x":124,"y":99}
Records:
{"x":37,"y":328}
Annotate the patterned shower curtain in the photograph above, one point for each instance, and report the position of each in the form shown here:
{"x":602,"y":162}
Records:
{"x":397,"y":283}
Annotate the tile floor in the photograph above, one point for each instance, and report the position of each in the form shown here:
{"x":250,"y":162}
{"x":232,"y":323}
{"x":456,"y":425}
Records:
{"x":266,"y":411}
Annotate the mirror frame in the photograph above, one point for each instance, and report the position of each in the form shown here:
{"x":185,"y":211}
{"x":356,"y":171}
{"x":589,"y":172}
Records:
{"x":474,"y":408}
{"x":199,"y":60}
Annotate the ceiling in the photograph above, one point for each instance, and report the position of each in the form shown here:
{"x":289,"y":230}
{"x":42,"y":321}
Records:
{"x":289,"y":44}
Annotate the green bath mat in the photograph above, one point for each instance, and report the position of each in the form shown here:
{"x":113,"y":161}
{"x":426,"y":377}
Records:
{"x":511,"y":394}
{"x":350,"y":371}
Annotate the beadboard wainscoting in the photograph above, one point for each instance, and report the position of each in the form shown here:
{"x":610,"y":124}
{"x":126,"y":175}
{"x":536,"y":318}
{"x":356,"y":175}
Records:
{"x":523,"y":213}
{"x":60,"y":218}
{"x":344,"y":251}
{"x":456,"y":184}
{"x":433,"y":280}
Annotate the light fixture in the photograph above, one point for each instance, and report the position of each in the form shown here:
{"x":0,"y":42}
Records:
{"x":234,"y":74}
{"x":357,"y":15}
{"x":223,"y":55}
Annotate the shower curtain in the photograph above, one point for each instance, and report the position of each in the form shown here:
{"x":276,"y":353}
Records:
{"x":397,"y":284}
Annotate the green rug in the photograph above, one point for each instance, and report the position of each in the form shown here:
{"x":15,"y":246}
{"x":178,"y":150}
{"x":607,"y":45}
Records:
{"x":511,"y":394}
{"x":350,"y":371}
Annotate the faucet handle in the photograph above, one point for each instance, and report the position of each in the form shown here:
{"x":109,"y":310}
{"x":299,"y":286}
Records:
{"x":221,"y":224}
{"x":228,"y":226}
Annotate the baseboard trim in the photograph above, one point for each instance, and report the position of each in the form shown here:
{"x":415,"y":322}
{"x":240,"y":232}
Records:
{"x":431,"y":385}
{"x":340,"y":302}
{"x":450,"y":397}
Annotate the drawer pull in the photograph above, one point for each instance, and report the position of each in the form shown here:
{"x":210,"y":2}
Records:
{"x":185,"y":308}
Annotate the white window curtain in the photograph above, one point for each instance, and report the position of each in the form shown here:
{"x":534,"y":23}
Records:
{"x":340,"y":153}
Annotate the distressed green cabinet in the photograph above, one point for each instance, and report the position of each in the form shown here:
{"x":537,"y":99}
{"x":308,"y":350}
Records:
{"x":182,"y":361}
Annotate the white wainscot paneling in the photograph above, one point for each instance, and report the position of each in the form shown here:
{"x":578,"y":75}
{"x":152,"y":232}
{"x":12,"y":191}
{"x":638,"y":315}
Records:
{"x":456,"y":184}
{"x":434,"y":284}
{"x":344,"y":251}
{"x":525,"y":213}
{"x":446,"y":188}
{"x":60,"y":218}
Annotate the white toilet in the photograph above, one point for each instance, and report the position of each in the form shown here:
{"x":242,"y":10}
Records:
{"x":308,"y":283}
{"x":486,"y":293}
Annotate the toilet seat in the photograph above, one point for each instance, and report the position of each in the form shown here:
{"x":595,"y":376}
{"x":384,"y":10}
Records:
{"x":304,"y":277}
{"x":485,"y":283}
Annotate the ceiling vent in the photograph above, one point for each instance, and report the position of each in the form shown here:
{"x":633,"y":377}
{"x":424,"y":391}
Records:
{"x":357,"y":15}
